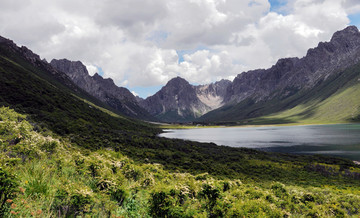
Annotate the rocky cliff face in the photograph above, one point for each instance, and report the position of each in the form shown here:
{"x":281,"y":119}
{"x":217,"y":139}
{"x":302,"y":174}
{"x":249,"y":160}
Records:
{"x":289,"y":75}
{"x":213,"y":94}
{"x":179,"y":101}
{"x":105,"y":90}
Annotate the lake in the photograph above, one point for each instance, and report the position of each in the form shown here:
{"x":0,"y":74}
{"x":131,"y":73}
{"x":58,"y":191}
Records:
{"x":341,"y":140}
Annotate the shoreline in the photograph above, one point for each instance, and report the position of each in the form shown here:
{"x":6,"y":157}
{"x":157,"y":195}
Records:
{"x":179,"y":126}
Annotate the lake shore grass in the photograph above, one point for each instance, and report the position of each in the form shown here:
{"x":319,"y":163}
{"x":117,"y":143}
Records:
{"x":184,"y":126}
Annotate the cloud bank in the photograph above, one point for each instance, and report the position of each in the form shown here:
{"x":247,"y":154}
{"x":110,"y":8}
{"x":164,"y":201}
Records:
{"x":144,"y":43}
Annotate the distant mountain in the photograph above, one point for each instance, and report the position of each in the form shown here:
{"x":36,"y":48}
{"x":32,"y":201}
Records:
{"x":323,"y":72}
{"x":119,"y":98}
{"x":178,"y":101}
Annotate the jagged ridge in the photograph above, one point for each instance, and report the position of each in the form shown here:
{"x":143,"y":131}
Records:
{"x":283,"y":86}
{"x":119,"y":98}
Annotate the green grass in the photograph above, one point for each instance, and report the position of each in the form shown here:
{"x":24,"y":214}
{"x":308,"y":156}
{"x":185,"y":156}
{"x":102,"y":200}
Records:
{"x":52,"y":177}
{"x":341,"y":107}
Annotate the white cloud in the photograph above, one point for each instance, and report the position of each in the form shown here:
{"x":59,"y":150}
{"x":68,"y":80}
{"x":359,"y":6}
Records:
{"x":134,"y":93}
{"x":135,"y":42}
{"x":91,"y":69}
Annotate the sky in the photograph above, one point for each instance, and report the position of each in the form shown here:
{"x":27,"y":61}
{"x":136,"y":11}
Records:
{"x":142,"y":44}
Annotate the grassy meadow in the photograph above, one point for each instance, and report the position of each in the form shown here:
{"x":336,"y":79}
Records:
{"x":45,"y":175}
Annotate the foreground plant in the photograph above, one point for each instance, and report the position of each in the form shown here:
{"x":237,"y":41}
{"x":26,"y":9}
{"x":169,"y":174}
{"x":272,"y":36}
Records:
{"x":50,"y":177}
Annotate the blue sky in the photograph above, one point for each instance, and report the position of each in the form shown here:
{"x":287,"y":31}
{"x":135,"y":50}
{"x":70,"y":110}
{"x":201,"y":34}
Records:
{"x":355,"y":19}
{"x":276,"y":5}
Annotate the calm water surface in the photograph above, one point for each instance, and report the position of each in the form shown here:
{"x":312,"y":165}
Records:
{"x":337,"y":140}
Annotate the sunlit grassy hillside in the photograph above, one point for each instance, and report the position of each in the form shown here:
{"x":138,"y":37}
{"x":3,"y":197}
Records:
{"x":343,"y":106}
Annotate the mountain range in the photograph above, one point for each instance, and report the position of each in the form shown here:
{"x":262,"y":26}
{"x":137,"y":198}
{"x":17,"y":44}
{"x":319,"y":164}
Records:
{"x":320,"y":87}
{"x":324,"y":73}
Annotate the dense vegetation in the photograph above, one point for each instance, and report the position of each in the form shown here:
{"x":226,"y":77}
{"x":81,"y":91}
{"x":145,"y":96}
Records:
{"x":48,"y":176}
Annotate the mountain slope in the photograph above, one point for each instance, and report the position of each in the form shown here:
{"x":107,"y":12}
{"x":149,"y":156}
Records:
{"x":175,"y":102}
{"x":292,"y":81}
{"x":178,"y":101}
{"x":47,"y":95}
{"x":341,"y":106}
{"x":105,"y":90}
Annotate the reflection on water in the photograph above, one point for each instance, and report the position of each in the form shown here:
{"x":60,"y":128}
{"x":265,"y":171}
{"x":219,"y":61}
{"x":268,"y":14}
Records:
{"x":338,"y":140}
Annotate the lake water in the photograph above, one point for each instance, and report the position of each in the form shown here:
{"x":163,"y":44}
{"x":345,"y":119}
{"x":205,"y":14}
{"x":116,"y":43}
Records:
{"x":337,"y":140}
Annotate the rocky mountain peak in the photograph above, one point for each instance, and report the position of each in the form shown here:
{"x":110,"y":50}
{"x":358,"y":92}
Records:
{"x":180,"y":101}
{"x":96,"y":76}
{"x":8,"y":42}
{"x":24,"y":51}
{"x":222,"y":82}
{"x":107,"y":81}
{"x":177,"y":82}
{"x":342,"y":42}
{"x":349,"y":33}
{"x":74,"y":69}
{"x":286,"y":62}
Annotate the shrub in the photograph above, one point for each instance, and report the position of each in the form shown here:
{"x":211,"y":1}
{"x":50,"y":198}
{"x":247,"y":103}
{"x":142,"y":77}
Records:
{"x":60,"y":203}
{"x":79,"y":201}
{"x":159,"y":204}
{"x":49,"y":146}
{"x":307,"y":198}
{"x":269,"y":198}
{"x":211,"y":195}
{"x":8,"y":185}
{"x":226,"y":186}
{"x":351,"y":203}
{"x":68,"y":204}
{"x":253,"y":194}
{"x":279,"y":190}
{"x":118,"y":194}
